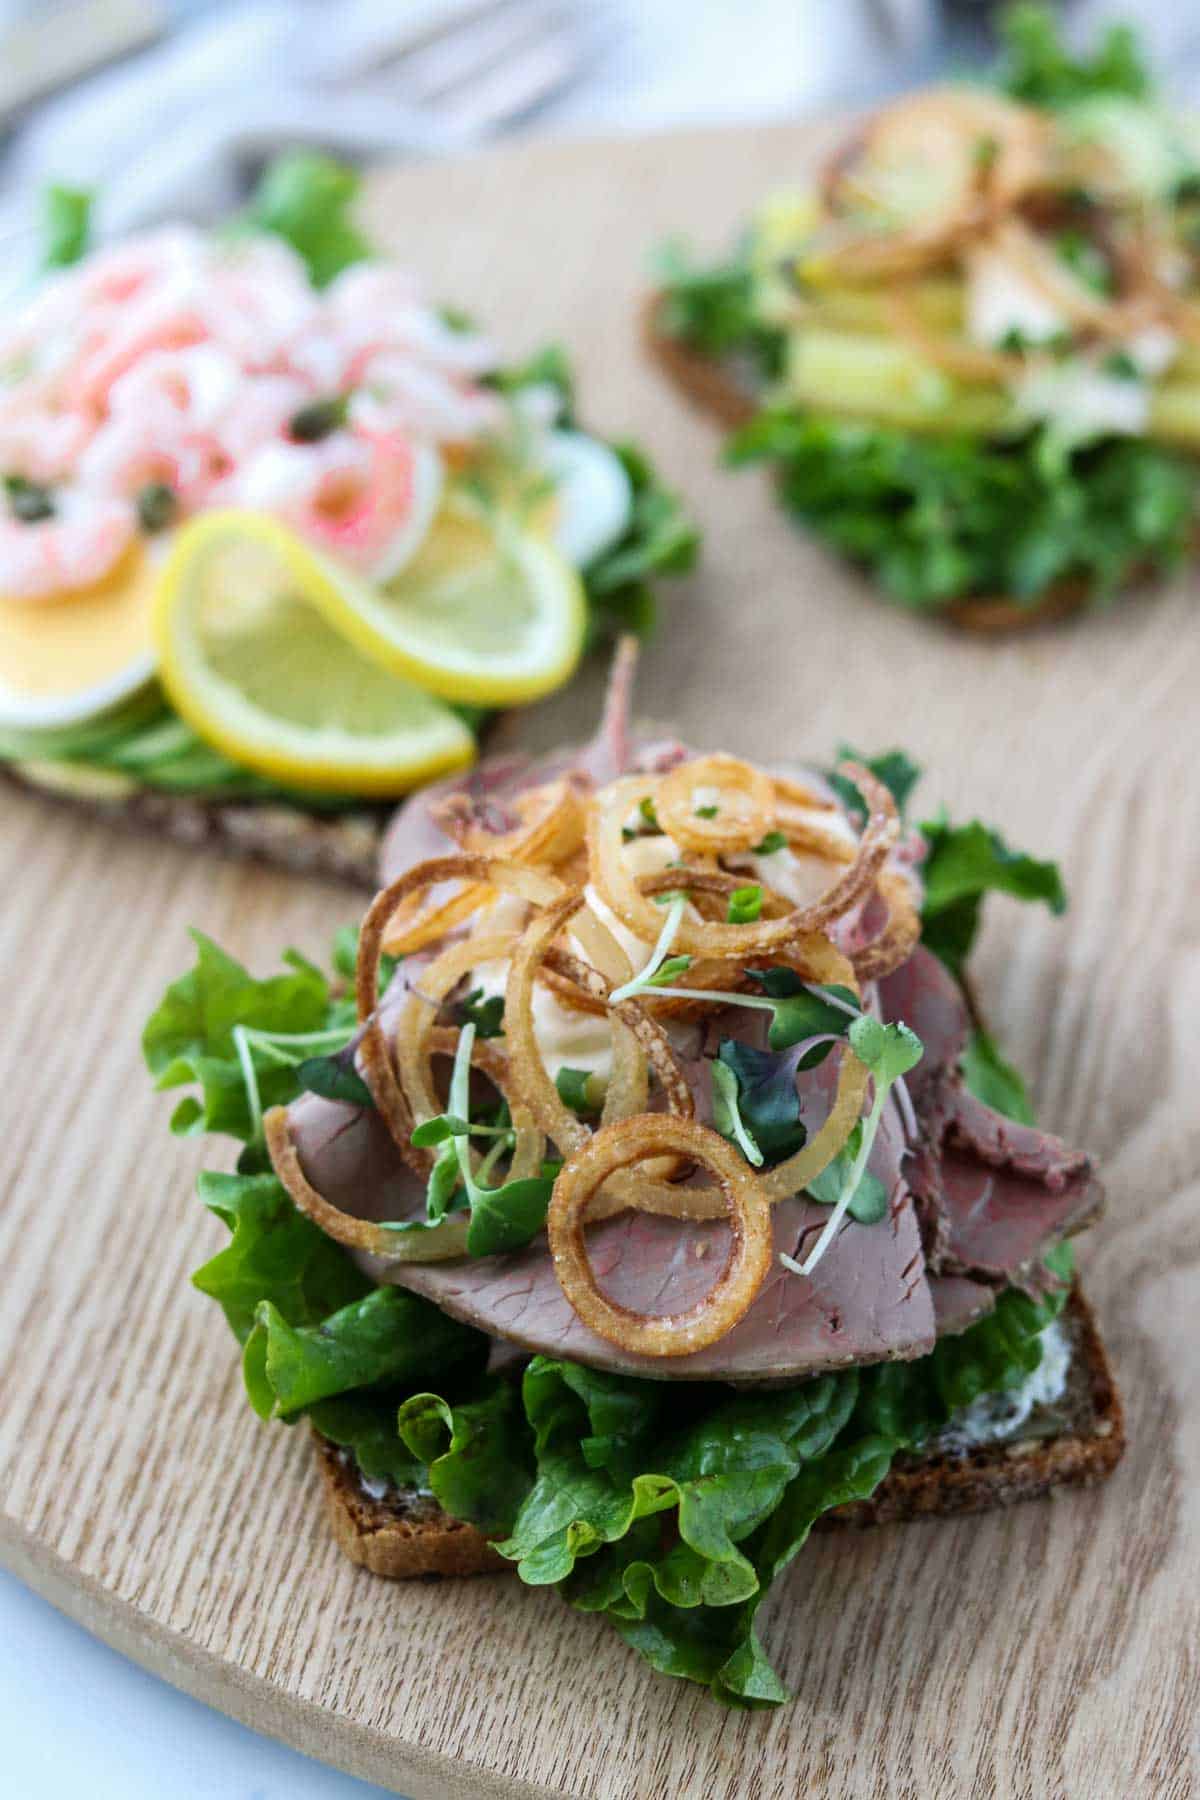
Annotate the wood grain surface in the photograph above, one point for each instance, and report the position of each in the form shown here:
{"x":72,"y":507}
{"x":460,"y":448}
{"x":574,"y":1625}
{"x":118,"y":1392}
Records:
{"x":1048,"y":1651}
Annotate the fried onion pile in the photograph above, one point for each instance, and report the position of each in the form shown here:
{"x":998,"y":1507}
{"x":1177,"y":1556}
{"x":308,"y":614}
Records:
{"x":557,"y":899}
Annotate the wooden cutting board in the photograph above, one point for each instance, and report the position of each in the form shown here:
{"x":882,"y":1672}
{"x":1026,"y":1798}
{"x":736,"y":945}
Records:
{"x":1048,"y":1651}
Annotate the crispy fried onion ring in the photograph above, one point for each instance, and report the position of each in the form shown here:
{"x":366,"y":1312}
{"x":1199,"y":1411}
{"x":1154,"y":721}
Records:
{"x":551,"y":821}
{"x":374,"y":1055}
{"x":798,"y":793}
{"x":620,"y":890}
{"x":437,"y":1243}
{"x":927,"y":146}
{"x":612,"y":1152}
{"x":744,"y":799}
{"x":814,"y":959}
{"x":705,"y":972}
{"x":1036,"y":261}
{"x":636,"y":1038}
{"x":900,"y":935}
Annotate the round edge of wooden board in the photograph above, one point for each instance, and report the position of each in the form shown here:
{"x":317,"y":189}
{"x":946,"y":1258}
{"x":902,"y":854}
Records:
{"x":349,"y":1745}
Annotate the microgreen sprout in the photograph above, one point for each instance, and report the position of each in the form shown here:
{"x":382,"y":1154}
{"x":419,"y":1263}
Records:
{"x":658,"y":968}
{"x":504,"y":1217}
{"x":287,"y":1050}
{"x":889,"y":1051}
{"x":727,"y":1115}
{"x":798,"y":1009}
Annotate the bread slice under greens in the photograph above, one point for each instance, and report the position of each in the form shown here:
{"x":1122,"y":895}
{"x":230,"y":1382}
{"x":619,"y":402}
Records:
{"x":1074,"y":1441}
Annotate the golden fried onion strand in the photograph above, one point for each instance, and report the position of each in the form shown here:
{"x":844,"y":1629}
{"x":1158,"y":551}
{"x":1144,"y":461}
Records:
{"x":612,"y":1151}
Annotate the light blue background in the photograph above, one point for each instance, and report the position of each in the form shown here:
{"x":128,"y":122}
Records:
{"x":81,"y":1723}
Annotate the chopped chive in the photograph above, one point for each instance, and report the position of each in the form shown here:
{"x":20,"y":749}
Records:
{"x":745,"y":906}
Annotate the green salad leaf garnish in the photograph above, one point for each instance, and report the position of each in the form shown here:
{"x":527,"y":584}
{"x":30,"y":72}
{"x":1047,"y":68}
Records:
{"x":965,"y":862}
{"x":1038,"y":68}
{"x":307,"y":199}
{"x":937,"y":518}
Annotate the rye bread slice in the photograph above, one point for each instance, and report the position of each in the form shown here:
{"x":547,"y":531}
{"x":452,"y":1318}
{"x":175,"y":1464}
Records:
{"x":342,"y":846}
{"x":1075,"y":1442}
{"x":718,"y":390}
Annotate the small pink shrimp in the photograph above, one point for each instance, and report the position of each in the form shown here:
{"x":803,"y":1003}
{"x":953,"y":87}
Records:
{"x":165,"y":424}
{"x":199,"y":385}
{"x":130,"y":452}
{"x":258,"y":301}
{"x":116,"y":273}
{"x":166,"y":318}
{"x":79,"y":546}
{"x":42,"y":444}
{"x":366,"y":498}
{"x":376,"y":304}
{"x":398,"y":393}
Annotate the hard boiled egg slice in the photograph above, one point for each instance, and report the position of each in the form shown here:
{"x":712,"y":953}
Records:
{"x":66,"y":659}
{"x":593,"y":497}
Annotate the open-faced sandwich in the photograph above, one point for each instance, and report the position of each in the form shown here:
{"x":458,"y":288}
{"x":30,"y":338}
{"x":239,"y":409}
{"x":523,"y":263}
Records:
{"x":666,"y":1197}
{"x":277,"y":534}
{"x":970,"y":349}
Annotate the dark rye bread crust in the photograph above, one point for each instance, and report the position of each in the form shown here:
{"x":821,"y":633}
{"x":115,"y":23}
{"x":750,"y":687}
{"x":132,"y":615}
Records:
{"x":406,"y":1534}
{"x":341,"y":846}
{"x":715,"y":389}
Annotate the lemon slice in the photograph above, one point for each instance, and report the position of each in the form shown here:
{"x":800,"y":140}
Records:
{"x":255,"y":654}
{"x":71,"y":657}
{"x":487,"y":611}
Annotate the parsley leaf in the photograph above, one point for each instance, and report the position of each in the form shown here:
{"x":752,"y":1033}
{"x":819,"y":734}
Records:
{"x":964,"y":863}
{"x":1038,"y":68}
{"x":306,"y":199}
{"x":936,"y":519}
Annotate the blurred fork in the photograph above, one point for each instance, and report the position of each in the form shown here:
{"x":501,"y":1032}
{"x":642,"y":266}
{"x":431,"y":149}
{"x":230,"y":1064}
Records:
{"x":407,"y":78}
{"x":472,"y":67}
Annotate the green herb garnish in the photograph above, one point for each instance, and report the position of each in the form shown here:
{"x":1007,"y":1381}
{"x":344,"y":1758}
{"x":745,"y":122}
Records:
{"x":889,"y":1052}
{"x":745,"y":906}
